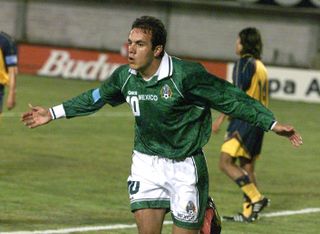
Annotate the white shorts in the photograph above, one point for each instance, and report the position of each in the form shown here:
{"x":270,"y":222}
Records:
{"x":179,"y":186}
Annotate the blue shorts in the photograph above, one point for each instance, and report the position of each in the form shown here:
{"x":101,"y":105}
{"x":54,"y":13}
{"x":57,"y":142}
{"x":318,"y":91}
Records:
{"x":250,"y":138}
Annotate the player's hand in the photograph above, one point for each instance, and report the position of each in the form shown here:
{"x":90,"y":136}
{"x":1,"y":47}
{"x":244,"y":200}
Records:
{"x":36,"y":116}
{"x":217,"y":123}
{"x":215,"y":127}
{"x":289,"y":132}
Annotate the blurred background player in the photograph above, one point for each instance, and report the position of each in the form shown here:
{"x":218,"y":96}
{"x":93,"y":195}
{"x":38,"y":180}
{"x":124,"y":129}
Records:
{"x":244,"y":141}
{"x":8,"y":70}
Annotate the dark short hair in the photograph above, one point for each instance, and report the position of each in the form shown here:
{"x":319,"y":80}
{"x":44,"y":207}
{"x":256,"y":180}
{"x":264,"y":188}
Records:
{"x":251,"y":42}
{"x":156,"y":27}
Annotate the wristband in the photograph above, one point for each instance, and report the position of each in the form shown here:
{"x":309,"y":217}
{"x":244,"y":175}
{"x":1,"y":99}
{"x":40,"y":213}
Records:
{"x":273,"y":124}
{"x":57,"y":112}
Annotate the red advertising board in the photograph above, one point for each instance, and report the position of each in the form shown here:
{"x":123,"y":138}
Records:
{"x":81,"y":64}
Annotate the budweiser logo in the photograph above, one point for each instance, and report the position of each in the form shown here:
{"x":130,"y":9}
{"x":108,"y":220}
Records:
{"x":61,"y":64}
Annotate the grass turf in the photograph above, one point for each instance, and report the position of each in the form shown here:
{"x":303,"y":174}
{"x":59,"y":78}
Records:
{"x":72,"y":173}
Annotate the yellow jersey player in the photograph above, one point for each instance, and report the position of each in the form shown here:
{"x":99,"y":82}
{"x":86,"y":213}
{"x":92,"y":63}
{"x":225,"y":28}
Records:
{"x":8,"y":70}
{"x":244,"y":141}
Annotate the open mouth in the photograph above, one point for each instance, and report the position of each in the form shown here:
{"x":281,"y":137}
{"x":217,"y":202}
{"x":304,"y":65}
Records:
{"x":130,"y":59}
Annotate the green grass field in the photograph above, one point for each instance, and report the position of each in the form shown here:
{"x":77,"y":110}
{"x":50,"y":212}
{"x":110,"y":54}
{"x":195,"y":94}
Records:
{"x":72,"y":173}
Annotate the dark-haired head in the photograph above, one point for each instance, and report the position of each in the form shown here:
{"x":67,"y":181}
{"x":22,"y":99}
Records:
{"x":157,"y":29}
{"x":251,"y":42}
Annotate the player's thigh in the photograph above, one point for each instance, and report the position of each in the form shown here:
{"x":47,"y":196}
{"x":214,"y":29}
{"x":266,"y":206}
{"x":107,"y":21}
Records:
{"x":189,"y":192}
{"x":226,"y":158}
{"x":146,"y":183}
{"x":149,"y":220}
{"x":179,"y":230}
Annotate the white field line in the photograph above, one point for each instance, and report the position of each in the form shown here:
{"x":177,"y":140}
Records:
{"x":291,"y":212}
{"x":126,"y":226}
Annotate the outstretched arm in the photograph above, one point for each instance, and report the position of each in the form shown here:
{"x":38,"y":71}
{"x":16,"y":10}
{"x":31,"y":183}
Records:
{"x":289,"y":132}
{"x":36,"y":116}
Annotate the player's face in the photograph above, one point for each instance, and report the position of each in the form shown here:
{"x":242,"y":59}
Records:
{"x":238,"y":46}
{"x":140,"y":53}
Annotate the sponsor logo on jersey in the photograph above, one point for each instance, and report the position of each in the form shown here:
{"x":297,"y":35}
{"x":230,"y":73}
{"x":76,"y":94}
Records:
{"x":132,"y":92}
{"x":143,"y":97}
{"x":166,"y":92}
{"x":148,"y":97}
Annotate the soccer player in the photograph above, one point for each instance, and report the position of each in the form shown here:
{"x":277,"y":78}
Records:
{"x":171,"y":100}
{"x":244,"y":141}
{"x":8,"y":70}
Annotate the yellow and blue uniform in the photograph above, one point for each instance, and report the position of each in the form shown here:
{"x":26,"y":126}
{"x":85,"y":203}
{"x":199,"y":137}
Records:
{"x":244,"y":139}
{"x":8,"y":58}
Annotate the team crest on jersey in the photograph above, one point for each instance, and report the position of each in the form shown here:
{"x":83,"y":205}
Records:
{"x":166,"y":92}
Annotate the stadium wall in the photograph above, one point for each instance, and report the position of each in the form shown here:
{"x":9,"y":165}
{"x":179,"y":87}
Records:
{"x":291,"y":37}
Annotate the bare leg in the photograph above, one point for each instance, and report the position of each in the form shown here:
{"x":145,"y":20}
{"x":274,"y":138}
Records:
{"x":249,"y":166}
{"x":149,"y":221}
{"x":179,"y":230}
{"x":229,"y":167}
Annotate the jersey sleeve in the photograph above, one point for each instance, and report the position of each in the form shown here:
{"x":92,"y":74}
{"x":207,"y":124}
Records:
{"x":206,"y":90}
{"x":92,"y":100}
{"x":9,"y":50}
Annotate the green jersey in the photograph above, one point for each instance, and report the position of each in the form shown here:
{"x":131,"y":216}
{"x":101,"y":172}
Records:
{"x":172,"y":109}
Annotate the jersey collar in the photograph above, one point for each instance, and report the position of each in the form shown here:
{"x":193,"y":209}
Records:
{"x":165,"y":68}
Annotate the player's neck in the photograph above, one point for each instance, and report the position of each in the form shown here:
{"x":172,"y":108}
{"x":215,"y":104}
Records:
{"x":149,"y":71}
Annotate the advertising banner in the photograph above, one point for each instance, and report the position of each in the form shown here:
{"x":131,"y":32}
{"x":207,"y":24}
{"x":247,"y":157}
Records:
{"x":81,"y":64}
{"x":294,"y":84}
{"x":67,"y":63}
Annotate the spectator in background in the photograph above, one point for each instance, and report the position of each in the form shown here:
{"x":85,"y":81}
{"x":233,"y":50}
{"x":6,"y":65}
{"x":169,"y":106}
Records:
{"x":244,"y":141}
{"x":8,"y":70}
{"x":171,"y":100}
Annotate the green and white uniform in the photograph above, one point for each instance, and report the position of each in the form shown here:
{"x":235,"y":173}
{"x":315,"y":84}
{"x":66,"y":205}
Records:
{"x":173,"y":123}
